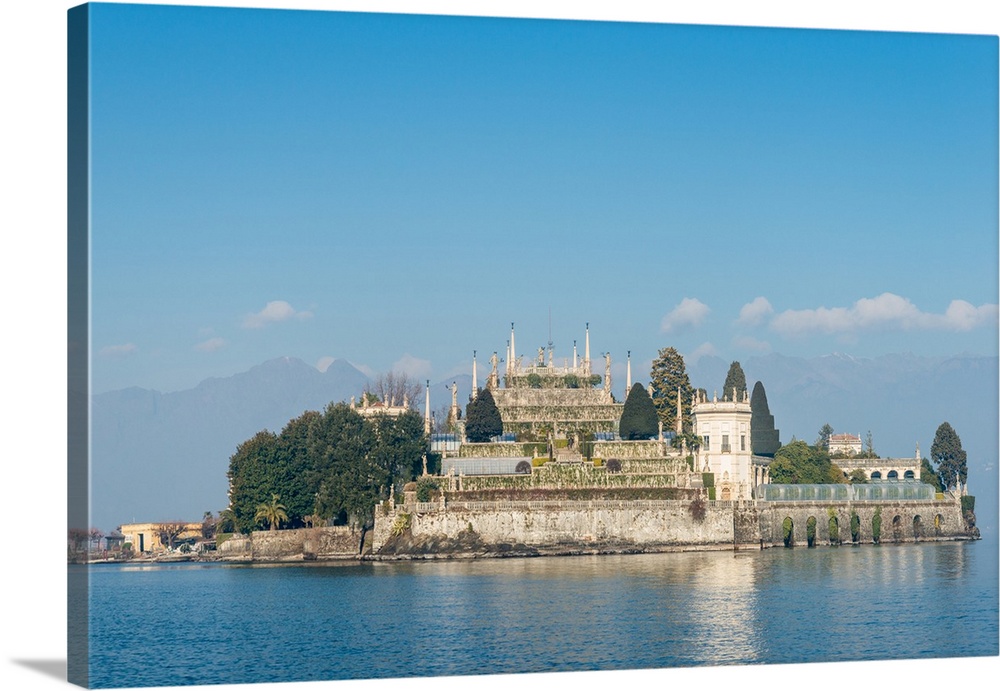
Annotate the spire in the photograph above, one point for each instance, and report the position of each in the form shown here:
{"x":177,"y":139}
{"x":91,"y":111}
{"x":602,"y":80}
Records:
{"x":508,"y":363}
{"x":512,"y":361}
{"x":586,"y":350}
{"x":474,"y":386}
{"x":574,"y":353}
{"x":427,"y":407}
{"x":677,"y":424}
{"x":628,"y":374}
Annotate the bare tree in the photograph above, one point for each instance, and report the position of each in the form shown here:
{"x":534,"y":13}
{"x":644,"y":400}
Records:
{"x":168,"y":532}
{"x":394,"y":388}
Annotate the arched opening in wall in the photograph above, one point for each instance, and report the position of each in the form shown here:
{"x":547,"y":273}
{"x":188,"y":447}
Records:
{"x":909,"y":475}
{"x":877,"y":525}
{"x":876,"y":475}
{"x":893,"y":475}
{"x":726,"y":494}
{"x":917,"y":534}
{"x":897,"y":528}
{"x":811,"y":531}
{"x":938,"y":524}
{"x":855,"y":527}
{"x":834,"y":530}
{"x":788,"y":531}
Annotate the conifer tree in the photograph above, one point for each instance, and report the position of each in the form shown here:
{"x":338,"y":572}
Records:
{"x":735,"y":379}
{"x":762,"y":431}
{"x":639,"y":420}
{"x":666,"y":376}
{"x":482,"y":418}
{"x":950,"y":457}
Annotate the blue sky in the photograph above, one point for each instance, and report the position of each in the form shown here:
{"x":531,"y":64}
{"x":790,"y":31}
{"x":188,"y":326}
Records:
{"x":395,"y":190}
{"x":34,"y":282}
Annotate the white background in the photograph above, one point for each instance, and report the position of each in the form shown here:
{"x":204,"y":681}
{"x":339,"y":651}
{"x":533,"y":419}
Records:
{"x":33,"y":327}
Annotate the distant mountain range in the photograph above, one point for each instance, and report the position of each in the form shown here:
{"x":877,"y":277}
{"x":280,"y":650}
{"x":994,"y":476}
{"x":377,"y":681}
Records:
{"x":164,"y":456}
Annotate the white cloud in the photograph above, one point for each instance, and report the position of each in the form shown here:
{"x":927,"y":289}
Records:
{"x":700,"y":352}
{"x":211,"y":345}
{"x":364,"y":369}
{"x":118,"y":351}
{"x":413,"y":367}
{"x":323,"y":364}
{"x":274,"y":311}
{"x":752,"y":344}
{"x":885,"y":311}
{"x":755,"y":312}
{"x":690,"y":312}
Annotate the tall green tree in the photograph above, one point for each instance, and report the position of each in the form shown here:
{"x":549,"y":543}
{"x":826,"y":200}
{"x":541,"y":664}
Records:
{"x":399,"y":446}
{"x":735,"y":379}
{"x":798,"y":463}
{"x":639,"y":420}
{"x":293,"y":478}
{"x":949,"y":456}
{"x":346,"y":479}
{"x":482,"y":418}
{"x":668,"y":374}
{"x":823,"y":440}
{"x":253,"y":477}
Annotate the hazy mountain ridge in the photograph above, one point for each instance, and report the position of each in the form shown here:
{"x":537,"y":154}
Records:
{"x":163,"y":456}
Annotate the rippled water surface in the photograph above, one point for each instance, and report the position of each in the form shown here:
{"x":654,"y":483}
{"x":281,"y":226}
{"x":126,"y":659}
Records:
{"x":202,"y":624}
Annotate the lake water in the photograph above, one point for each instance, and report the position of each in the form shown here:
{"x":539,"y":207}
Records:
{"x":154,"y":625}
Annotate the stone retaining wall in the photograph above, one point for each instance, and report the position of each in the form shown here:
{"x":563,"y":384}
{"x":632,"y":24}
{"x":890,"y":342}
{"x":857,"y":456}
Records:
{"x":938,"y":519}
{"x":334,"y":542}
{"x":572,"y":525}
{"x":655,"y":525}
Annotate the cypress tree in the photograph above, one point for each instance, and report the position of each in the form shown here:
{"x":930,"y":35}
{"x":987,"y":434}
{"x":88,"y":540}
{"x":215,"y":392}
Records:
{"x":482,"y":418}
{"x":639,"y":420}
{"x":763,"y":435}
{"x":735,"y":379}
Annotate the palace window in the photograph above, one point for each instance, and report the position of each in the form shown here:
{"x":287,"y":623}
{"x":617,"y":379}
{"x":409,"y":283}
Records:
{"x":725,"y":443}
{"x":704,"y":442}
{"x":743,"y":442}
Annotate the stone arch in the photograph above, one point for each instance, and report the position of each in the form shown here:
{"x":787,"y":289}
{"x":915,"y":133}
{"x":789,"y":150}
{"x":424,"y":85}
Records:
{"x":811,"y":531}
{"x":938,"y":524}
{"x":855,"y":527}
{"x":909,"y":475}
{"x":834,"y":530}
{"x":897,"y":528}
{"x":893,"y":475}
{"x":917,"y":527}
{"x":788,"y":531}
{"x":876,"y":475}
{"x":726,"y":494}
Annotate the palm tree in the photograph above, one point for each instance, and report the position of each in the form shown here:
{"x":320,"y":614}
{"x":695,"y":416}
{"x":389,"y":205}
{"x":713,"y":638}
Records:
{"x":273,"y":513}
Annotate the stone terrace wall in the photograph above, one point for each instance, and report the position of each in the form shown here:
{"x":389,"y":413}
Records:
{"x":236,"y":547}
{"x":583,"y":524}
{"x":631,"y":450}
{"x":568,"y":476}
{"x":897,"y":520}
{"x":666,"y":524}
{"x":335,"y":542}
{"x":502,"y":449}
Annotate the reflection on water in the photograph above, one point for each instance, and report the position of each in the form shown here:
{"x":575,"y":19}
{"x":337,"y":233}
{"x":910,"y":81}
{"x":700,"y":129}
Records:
{"x":217,"y":623}
{"x":725,"y":612}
